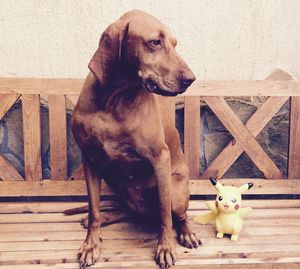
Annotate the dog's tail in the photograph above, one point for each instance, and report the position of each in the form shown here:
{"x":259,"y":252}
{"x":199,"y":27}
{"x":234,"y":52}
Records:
{"x":77,"y":210}
{"x":85,"y":209}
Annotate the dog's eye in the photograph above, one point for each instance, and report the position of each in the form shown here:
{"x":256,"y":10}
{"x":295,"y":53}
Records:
{"x":220,"y":198}
{"x":155,"y":42}
{"x":233,"y":200}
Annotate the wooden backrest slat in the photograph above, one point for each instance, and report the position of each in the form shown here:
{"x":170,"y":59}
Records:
{"x":198,"y":88}
{"x":192,"y":134}
{"x":294,"y":146}
{"x":32,"y":136}
{"x":58,"y":136}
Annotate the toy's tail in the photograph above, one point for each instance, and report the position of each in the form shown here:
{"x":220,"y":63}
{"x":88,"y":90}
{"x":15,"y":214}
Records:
{"x":205,"y":218}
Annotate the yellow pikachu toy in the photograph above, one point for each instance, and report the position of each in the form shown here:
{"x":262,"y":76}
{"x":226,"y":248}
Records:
{"x":227,"y":211}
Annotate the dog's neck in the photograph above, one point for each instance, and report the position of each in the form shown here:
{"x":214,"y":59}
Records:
{"x":122,"y":91}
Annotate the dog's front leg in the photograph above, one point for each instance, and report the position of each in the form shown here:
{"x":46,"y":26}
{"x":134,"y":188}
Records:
{"x":90,"y":249}
{"x":165,"y":253}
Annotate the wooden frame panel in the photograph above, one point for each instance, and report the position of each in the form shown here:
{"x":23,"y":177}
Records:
{"x":58,"y":136}
{"x":192,"y":134}
{"x":203,"y":187}
{"x":56,"y":89}
{"x":7,"y":171}
{"x":294,"y":144}
{"x":32,"y":136}
{"x":244,"y":137}
{"x":49,"y":86}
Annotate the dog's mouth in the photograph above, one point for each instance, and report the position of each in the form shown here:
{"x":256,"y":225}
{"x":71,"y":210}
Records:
{"x":153,"y":87}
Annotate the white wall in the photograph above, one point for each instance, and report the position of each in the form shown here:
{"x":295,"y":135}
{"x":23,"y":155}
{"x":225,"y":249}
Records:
{"x":220,"y":39}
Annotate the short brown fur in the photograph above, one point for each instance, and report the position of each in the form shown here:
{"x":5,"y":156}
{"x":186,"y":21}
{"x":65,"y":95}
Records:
{"x":126,"y":134}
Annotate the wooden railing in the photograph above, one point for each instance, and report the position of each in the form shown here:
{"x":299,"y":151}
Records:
{"x":279,"y":86}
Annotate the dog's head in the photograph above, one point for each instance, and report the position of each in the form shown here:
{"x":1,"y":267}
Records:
{"x":145,"y":48}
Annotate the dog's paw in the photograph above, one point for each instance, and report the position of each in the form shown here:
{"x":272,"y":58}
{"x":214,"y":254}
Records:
{"x":89,"y":252}
{"x":165,"y":253}
{"x":189,"y":240}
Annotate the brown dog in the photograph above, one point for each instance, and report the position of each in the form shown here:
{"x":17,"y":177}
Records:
{"x":125,"y":132}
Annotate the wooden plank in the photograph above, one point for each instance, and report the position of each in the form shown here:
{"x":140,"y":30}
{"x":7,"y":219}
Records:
{"x":261,"y":186}
{"x":244,"y":137}
{"x":192,"y":135}
{"x":58,"y":136}
{"x":270,"y":221}
{"x":198,"y":88}
{"x":55,"y":207}
{"x":143,"y":258}
{"x":142,"y":243}
{"x":6,"y":102}
{"x":45,"y":86}
{"x":244,"y":88}
{"x":294,"y":146}
{"x":77,"y":187}
{"x":32,"y":136}
{"x":220,"y":263}
{"x":218,"y":167}
{"x":60,"y":217}
{"x":58,"y":207}
{"x":7,"y":171}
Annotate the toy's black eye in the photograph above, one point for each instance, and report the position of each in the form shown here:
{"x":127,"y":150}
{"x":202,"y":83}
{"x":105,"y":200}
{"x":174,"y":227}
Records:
{"x":233,"y":200}
{"x":155,"y":42}
{"x":220,"y":198}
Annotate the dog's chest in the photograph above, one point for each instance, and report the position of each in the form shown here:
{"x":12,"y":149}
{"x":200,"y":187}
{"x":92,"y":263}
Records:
{"x":119,"y":141}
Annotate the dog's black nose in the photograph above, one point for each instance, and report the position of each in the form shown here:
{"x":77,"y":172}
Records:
{"x":187,"y":79}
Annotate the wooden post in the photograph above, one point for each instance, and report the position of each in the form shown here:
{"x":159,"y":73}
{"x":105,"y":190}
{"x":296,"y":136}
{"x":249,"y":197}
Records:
{"x":192,"y":134}
{"x":32,"y":136}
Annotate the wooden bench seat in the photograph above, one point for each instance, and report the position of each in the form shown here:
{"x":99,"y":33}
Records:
{"x":37,"y":235}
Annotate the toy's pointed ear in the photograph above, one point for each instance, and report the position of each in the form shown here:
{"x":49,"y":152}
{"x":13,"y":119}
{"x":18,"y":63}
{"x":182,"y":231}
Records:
{"x":109,"y":53}
{"x":216,"y":183}
{"x":245,"y":187}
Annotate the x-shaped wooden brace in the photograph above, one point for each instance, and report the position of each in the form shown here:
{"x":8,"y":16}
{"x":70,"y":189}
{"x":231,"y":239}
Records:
{"x":7,"y":171}
{"x":244,"y":137}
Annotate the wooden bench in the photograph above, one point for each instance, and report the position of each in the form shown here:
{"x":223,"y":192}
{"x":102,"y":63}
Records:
{"x":39,"y":235}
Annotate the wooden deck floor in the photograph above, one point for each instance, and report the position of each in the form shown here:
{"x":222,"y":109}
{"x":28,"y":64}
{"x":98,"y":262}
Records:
{"x":38,"y":235}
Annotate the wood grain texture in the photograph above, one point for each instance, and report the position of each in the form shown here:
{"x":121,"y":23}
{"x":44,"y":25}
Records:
{"x":218,"y":167}
{"x":244,"y":137}
{"x":32,"y":136}
{"x":58,"y":136}
{"x":197,"y":187}
{"x":51,"y":240}
{"x":294,"y":146}
{"x":7,"y":171}
{"x":6,"y":102}
{"x":40,"y":86}
{"x":198,"y":88}
{"x":244,"y":88}
{"x":192,"y":135}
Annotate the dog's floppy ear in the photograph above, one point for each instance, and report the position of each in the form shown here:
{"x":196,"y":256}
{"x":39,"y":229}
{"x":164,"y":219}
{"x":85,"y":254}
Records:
{"x":108,"y":55}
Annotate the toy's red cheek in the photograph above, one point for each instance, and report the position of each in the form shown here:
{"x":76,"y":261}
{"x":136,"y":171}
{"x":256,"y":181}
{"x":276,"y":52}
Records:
{"x":236,"y":207}
{"x":217,"y":204}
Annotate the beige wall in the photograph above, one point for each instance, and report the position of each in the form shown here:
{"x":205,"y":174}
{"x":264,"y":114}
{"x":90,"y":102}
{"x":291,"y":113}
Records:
{"x":224,"y":39}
